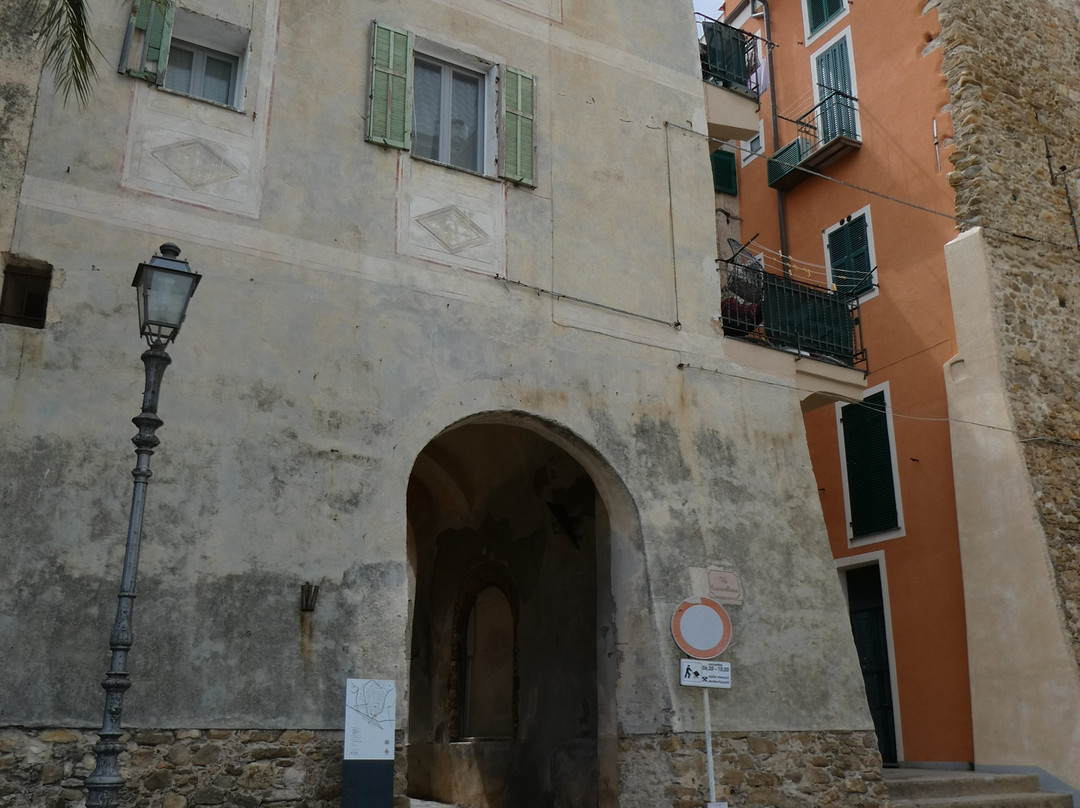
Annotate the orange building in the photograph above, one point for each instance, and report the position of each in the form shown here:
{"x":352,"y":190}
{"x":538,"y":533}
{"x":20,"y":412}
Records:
{"x":845,"y":190}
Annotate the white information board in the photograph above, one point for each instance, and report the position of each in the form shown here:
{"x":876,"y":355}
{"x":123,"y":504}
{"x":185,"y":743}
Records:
{"x":701,"y":673}
{"x":369,"y":719}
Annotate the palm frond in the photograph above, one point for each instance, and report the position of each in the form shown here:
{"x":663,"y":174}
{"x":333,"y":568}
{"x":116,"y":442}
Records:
{"x":69,"y":47}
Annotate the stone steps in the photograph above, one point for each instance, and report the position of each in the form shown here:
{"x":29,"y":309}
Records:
{"x":916,"y":788}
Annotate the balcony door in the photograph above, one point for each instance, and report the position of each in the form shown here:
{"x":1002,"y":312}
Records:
{"x":836,"y":92}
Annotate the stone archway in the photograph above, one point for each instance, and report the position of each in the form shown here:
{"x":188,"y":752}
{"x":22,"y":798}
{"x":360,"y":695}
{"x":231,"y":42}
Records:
{"x":505,"y":519}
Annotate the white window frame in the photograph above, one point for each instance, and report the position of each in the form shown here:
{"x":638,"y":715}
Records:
{"x":871,"y":254}
{"x":199,"y":55}
{"x":899,"y":531}
{"x":845,"y":34}
{"x":746,"y":151}
{"x":810,"y":38}
{"x":865,"y":560}
{"x":432,"y":52}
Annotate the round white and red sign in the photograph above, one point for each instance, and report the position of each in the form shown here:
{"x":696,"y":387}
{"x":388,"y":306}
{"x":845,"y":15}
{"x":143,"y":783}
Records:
{"x":701,"y":628}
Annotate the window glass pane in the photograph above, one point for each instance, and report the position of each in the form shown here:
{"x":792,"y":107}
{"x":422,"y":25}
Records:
{"x":217,"y":80}
{"x":465,"y":136}
{"x":427,"y":96}
{"x":178,"y":74}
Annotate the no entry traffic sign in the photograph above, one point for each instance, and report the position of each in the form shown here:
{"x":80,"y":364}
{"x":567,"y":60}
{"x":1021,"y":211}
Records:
{"x":701,"y":628}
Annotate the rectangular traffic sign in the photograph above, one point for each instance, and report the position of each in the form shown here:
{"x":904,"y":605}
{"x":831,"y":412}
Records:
{"x":705,"y":673}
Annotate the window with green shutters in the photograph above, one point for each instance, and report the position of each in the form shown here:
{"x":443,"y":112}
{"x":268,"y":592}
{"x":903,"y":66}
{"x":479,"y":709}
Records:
{"x":835,"y":93}
{"x":868,"y":459}
{"x":819,"y":12}
{"x":725,"y":179}
{"x":185,"y":52}
{"x":439,"y":105}
{"x":850,"y":262}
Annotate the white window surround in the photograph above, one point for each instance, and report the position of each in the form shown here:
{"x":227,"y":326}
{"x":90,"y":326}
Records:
{"x":872,"y":256}
{"x":426,"y":49}
{"x":887,"y":535}
{"x":844,"y":34}
{"x":808,"y":38}
{"x":214,"y":35}
{"x":754,"y":147}
{"x":865,"y":560}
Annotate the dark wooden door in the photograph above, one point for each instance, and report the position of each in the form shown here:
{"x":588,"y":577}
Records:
{"x":867,"y":610}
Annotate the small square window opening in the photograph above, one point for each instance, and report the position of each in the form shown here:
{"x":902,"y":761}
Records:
{"x":24,"y":297}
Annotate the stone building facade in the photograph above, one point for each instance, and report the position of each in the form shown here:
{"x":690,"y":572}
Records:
{"x":1014,"y":82}
{"x":426,"y":380}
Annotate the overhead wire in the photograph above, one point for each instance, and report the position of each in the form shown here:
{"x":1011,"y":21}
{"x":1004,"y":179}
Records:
{"x":880,"y":409}
{"x":737,"y":146}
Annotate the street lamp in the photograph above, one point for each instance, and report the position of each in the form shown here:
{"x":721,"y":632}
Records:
{"x":165,"y":285}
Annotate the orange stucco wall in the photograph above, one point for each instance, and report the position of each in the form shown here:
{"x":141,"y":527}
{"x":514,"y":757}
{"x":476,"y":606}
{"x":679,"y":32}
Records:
{"x":907,"y":328}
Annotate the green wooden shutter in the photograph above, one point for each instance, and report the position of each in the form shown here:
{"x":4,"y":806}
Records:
{"x":389,"y":108}
{"x":868,"y":454}
{"x":725,"y":178}
{"x":834,"y":91}
{"x":849,"y":257}
{"x":155,"y":19}
{"x":517,"y":100}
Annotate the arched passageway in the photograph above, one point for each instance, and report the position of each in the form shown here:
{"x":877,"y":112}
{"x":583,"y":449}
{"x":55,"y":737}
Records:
{"x":510,"y":547}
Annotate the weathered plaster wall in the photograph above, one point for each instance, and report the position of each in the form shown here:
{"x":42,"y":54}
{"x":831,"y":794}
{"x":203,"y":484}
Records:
{"x":331,"y":340}
{"x":20,"y":69}
{"x":1015,"y":82}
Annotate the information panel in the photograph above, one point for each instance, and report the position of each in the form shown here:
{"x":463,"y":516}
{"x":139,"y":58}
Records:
{"x":369,"y":719}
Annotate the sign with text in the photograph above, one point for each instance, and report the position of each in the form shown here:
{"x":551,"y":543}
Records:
{"x":699,"y":673}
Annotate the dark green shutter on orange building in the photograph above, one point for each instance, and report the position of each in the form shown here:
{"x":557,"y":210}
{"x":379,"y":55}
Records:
{"x":868,"y":455}
{"x":849,"y":257}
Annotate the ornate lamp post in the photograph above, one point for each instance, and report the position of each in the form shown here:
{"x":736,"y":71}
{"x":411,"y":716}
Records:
{"x":165,"y":286}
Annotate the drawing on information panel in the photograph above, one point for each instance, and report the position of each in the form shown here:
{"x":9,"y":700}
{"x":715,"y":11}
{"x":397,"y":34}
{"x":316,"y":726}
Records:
{"x":369,"y":719}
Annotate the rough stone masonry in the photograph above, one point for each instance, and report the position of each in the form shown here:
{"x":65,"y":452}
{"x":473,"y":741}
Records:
{"x":1014,"y":78}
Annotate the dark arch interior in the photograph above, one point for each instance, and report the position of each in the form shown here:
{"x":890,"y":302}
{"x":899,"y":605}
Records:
{"x":503,"y":518}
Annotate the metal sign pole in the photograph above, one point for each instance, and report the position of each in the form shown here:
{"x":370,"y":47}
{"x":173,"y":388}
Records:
{"x":708,"y":745}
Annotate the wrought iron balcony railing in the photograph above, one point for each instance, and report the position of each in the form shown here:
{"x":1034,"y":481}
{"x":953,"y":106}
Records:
{"x":823,"y":134}
{"x":782,"y":313}
{"x":730,"y":57}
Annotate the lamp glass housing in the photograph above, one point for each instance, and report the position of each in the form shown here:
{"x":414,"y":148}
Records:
{"x":165,"y":286}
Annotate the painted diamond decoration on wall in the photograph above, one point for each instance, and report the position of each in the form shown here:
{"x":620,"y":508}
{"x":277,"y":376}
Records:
{"x":196,"y":163}
{"x":453,"y":229}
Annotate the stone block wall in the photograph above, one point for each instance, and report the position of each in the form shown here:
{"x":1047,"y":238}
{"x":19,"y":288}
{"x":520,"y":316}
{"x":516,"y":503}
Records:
{"x":45,"y":768}
{"x":179,"y":768}
{"x":776,"y":769}
{"x":1014,"y":78}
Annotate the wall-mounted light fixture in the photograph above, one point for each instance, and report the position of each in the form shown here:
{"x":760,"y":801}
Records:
{"x":308,"y":595}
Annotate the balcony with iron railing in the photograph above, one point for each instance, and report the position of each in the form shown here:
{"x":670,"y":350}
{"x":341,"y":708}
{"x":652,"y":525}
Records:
{"x":732,"y":71}
{"x":816,"y":138}
{"x":778,"y":312}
